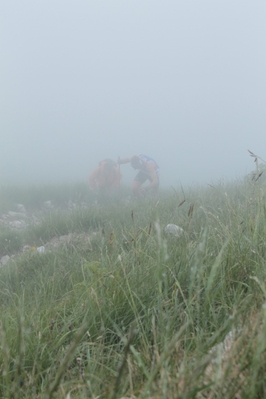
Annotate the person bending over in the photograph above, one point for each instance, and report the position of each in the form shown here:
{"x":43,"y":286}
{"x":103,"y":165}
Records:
{"x":148,"y":170}
{"x":105,"y":178}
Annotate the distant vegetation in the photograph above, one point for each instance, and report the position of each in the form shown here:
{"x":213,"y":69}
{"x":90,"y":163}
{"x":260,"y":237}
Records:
{"x":118,"y":309}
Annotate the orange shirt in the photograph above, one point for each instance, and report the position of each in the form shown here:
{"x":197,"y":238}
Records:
{"x":103,"y":178}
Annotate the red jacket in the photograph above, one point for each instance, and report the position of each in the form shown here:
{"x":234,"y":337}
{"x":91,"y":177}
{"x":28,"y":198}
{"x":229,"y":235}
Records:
{"x":101,"y":177}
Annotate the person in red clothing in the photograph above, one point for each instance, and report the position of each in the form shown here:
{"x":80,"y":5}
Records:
{"x":105,"y":178}
{"x":148,"y":170}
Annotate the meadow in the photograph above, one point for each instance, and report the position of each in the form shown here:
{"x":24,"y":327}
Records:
{"x":119,"y":309}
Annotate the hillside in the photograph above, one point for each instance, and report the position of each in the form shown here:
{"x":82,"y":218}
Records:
{"x":97,"y":301}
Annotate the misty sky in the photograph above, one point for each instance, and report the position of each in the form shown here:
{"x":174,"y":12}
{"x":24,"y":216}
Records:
{"x":181,"y":81}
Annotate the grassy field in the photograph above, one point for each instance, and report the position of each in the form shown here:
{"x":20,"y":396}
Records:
{"x":119,"y":309}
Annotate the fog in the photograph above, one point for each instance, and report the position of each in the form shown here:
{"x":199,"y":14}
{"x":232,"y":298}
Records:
{"x":181,"y":81}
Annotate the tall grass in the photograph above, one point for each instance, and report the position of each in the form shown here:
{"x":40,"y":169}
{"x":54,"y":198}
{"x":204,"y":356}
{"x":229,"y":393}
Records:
{"x":132,"y":312}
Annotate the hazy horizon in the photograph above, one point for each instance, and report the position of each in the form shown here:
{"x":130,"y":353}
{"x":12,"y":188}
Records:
{"x":183,"y":82}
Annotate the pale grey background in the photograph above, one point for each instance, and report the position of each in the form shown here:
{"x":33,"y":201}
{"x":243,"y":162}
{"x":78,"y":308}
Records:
{"x":181,"y":81}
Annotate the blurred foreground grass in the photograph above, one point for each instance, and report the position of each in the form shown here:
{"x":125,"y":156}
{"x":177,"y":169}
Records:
{"x":130,"y":312}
